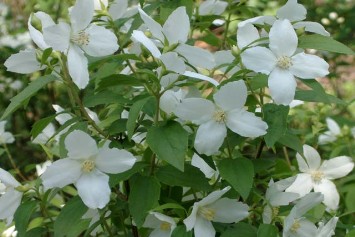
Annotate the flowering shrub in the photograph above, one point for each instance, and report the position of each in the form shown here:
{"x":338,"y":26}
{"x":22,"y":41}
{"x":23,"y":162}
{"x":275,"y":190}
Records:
{"x":159,"y":137}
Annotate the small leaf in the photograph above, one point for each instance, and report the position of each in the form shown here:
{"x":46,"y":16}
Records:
{"x":169,"y":143}
{"x":23,"y":215}
{"x":45,"y":55}
{"x":133,"y":116}
{"x":276,"y":118}
{"x":239,"y":173}
{"x":180,"y":231}
{"x":292,"y":141}
{"x":267,"y":231}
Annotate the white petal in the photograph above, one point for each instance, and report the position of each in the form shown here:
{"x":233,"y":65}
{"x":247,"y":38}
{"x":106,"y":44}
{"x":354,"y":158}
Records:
{"x":160,"y":233}
{"x":245,"y":123}
{"x":143,"y":39}
{"x":337,"y":167}
{"x":61,"y":118}
{"x":114,"y":161}
{"x":8,"y":179}
{"x":229,"y":210}
{"x":302,"y":185}
{"x":312,"y":157}
{"x":80,"y":145}
{"x":259,"y":59}
{"x":306,"y":229}
{"x":308,"y":66}
{"x":292,"y":11}
{"x":328,"y":229}
{"x":152,"y":25}
{"x":282,"y":85}
{"x":333,"y":126}
{"x":223,"y":57}
{"x":58,"y":36}
{"x":173,"y":62}
{"x":232,"y":95}
{"x":177,"y":26}
{"x":151,"y":221}
{"x":210,"y":137}
{"x":283,"y":38}
{"x":197,"y":57}
{"x":2,"y":126}
{"x":313,"y":27}
{"x":81,"y":14}
{"x":306,"y":203}
{"x":61,"y":173}
{"x":102,"y":41}
{"x":93,"y":189}
{"x":7,"y":137}
{"x":199,"y":163}
{"x":23,"y":62}
{"x":196,"y":110}
{"x":45,"y":19}
{"x":259,"y":20}
{"x":36,"y":35}
{"x":330,"y":192}
{"x":212,"y":7}
{"x":9,"y":202}
{"x":246,"y":35}
{"x":214,"y":196}
{"x":283,"y":198}
{"x":118,"y":8}
{"x":78,"y":66}
{"x":204,"y":228}
{"x":267,"y":214}
{"x":190,"y":221}
{"x":326,"y":137}
{"x":201,"y":77}
{"x":302,"y":164}
{"x":170,"y":100}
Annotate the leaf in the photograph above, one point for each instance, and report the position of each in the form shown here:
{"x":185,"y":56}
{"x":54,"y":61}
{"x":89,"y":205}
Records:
{"x":276,"y":118}
{"x":321,"y":42}
{"x":169,"y":143}
{"x":133,"y":116}
{"x":46,"y":53}
{"x":27,"y":93}
{"x":191,"y":177}
{"x":292,"y":141}
{"x":23,"y":215}
{"x":144,"y":196}
{"x":240,"y":230}
{"x":265,"y":230}
{"x":118,"y":80}
{"x":117,"y":178}
{"x":258,"y":81}
{"x":41,"y":124}
{"x":103,"y":98}
{"x":239,"y":173}
{"x":180,"y":231}
{"x":69,"y":222}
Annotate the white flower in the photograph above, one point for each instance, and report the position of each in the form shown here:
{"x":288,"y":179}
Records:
{"x":214,"y":118}
{"x":78,"y":38}
{"x":212,"y":7}
{"x":41,"y":168}
{"x":316,"y":175}
{"x":295,"y":225}
{"x":9,"y":232}
{"x":163,"y":225}
{"x":5,"y":137}
{"x":282,"y":64}
{"x":85,"y":166}
{"x":213,"y":208}
{"x":10,"y":198}
{"x":171,"y":99}
{"x":202,"y":165}
{"x":327,"y":230}
{"x":332,"y":133}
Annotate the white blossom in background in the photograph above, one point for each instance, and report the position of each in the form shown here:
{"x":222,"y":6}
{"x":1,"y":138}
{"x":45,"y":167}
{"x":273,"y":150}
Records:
{"x":214,"y":208}
{"x":94,"y":215}
{"x":163,"y":225}
{"x":332,"y":134}
{"x":295,"y":225}
{"x":85,"y":166}
{"x":318,"y":175}
{"x":45,"y":135}
{"x":212,"y":7}
{"x":41,"y":168}
{"x":5,"y":137}
{"x":78,"y":38}
{"x":282,"y":63}
{"x":327,"y":230}
{"x":214,"y":118}
{"x":10,"y":198}
{"x":9,"y":232}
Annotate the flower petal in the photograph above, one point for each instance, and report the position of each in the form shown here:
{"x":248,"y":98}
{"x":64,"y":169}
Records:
{"x":173,"y":62}
{"x":283,"y":198}
{"x":259,"y":59}
{"x":8,"y":179}
{"x":306,"y":203}
{"x":201,"y":77}
{"x":232,"y":95}
{"x":229,"y":210}
{"x":308,"y":66}
{"x":36,"y":35}
{"x":333,"y":126}
{"x":326,"y":137}
{"x":204,"y":228}
{"x":176,"y":28}
{"x":259,"y":20}
{"x":330,"y":192}
{"x":196,"y":110}
{"x":80,"y":145}
{"x":61,"y":173}
{"x":114,"y":161}
{"x":93,"y":189}
{"x":212,"y":7}
{"x":81,"y":14}
{"x":118,"y":8}
{"x":312,"y":157}
{"x":283,"y":38}
{"x":102,"y":41}
{"x":327,"y":230}
{"x":214,"y":196}
{"x":205,"y":142}
{"x":170,"y":100}
{"x":306,"y":229}
{"x":58,"y":36}
{"x":282,"y":85}
{"x":337,"y":167}
{"x":148,"y":43}
{"x":313,"y":27}
{"x":302,"y":185}
{"x":152,"y":25}
{"x":196,"y":56}
{"x":292,"y":11}
{"x":23,"y":62}
{"x":9,"y":202}
{"x":78,"y":66}
{"x":190,"y":221}
{"x":246,"y":35}
{"x":245,"y":123}
{"x":199,"y":163}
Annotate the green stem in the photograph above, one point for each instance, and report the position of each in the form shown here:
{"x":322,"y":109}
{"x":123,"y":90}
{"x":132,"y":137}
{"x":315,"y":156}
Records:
{"x":104,"y":223}
{"x":13,"y":164}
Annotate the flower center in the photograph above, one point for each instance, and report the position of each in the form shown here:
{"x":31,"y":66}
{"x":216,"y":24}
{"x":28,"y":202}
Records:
{"x":219,"y":116}
{"x":275,"y":211}
{"x":81,"y":38}
{"x":295,"y":226}
{"x":88,"y":165}
{"x":284,"y":62}
{"x":165,"y":226}
{"x":317,"y":176}
{"x":207,"y":213}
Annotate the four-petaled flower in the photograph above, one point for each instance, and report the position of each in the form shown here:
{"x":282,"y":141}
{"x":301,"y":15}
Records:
{"x":163,"y":225}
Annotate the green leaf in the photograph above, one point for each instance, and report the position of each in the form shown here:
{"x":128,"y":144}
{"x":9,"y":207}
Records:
{"x":26,"y":94}
{"x":69,"y":222}
{"x":276,"y":118}
{"x":144,"y":196}
{"x":267,"y":231}
{"x":45,"y":55}
{"x":240,"y":230}
{"x":117,"y":178}
{"x":180,"y":231}
{"x":169,"y":143}
{"x":23,"y":215}
{"x":41,"y":124}
{"x":118,"y":80}
{"x":321,"y":42}
{"x":103,"y":98}
{"x":292,"y":141}
{"x":239,"y":173}
{"x":133,"y":116}
{"x":259,"y":81}
{"x":191,"y":177}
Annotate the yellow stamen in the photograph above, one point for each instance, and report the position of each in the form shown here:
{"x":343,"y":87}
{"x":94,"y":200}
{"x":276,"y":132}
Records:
{"x":219,"y":116}
{"x":207,"y":213}
{"x":81,"y":38}
{"x":284,"y":62}
{"x":88,"y":165}
{"x":165,"y":226}
{"x":295,"y":226}
{"x":317,"y":176}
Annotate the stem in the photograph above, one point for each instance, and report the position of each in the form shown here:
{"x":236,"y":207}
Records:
{"x":156,"y":120}
{"x":13,"y":164}
{"x":286,"y":156}
{"x":260,"y":149}
{"x":226,"y":30}
{"x":104,"y":223}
